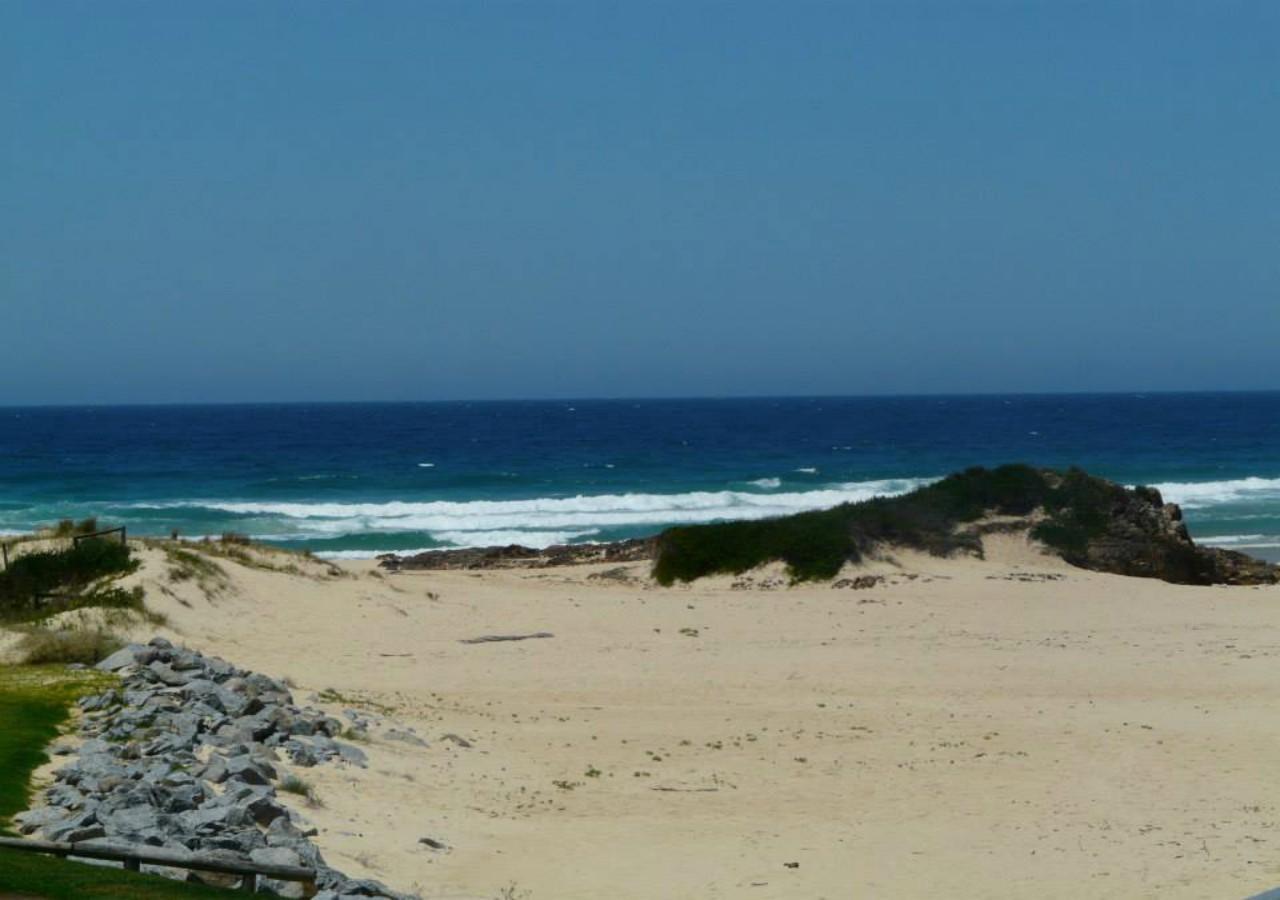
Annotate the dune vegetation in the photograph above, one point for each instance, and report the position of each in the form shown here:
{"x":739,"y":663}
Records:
{"x":1088,"y":521}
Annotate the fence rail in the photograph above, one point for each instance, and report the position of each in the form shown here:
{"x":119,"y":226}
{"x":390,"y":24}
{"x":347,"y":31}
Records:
{"x":75,"y":541}
{"x":133,"y":858}
{"x":124,"y":535}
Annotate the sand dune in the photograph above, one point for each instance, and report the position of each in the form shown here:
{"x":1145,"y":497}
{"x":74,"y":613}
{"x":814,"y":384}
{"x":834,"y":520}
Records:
{"x":1001,"y":728}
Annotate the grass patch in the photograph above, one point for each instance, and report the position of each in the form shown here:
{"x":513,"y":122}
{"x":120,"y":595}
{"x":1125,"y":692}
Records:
{"x":814,"y":545}
{"x":292,"y":784}
{"x":242,"y":550}
{"x":70,"y":528}
{"x":331,"y":695}
{"x":44,"y":646}
{"x":189,"y":565}
{"x":34,"y":703}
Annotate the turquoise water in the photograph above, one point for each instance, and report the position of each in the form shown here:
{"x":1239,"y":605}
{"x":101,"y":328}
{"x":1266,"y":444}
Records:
{"x":356,"y":479}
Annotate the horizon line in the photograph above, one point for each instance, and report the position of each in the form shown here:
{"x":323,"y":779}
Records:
{"x":641,"y":399}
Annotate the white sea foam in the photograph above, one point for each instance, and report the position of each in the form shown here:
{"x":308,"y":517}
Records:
{"x":1241,"y":541}
{"x":808,"y":470}
{"x":426,"y":465}
{"x":767,"y":483}
{"x":1226,"y":539}
{"x":1201,"y":494}
{"x":546,"y":514}
{"x":1256,"y":545}
{"x":370,"y":554}
{"x":536,"y":539}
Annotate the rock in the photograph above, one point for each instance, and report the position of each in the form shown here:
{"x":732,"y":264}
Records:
{"x":166,"y":675}
{"x":131,"y":820}
{"x":457,"y":739}
{"x":405,"y":737}
{"x":250,"y":770}
{"x":433,"y":843}
{"x":37,"y":819}
{"x":212,"y":819}
{"x":126,"y":656}
{"x":264,"y":810}
{"x":279,"y":856}
{"x":82,"y":833}
{"x":183,"y":798}
{"x":302,"y":752}
{"x":215,"y":770}
{"x":353,"y":755}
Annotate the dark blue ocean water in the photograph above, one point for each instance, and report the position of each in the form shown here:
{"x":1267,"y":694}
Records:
{"x":358,"y":478}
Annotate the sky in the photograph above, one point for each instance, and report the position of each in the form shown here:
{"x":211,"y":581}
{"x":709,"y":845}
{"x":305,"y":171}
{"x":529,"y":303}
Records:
{"x":217,"y":202}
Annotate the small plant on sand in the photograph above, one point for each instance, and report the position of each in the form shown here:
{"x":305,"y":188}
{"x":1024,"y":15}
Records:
{"x":292,"y":784}
{"x":69,"y":528}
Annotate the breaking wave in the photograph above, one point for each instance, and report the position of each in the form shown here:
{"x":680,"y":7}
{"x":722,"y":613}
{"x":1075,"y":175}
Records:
{"x":1202,"y":494}
{"x":546,"y":519}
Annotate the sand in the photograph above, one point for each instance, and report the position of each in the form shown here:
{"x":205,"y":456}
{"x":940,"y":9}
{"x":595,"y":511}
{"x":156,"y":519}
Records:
{"x":1002,"y":728}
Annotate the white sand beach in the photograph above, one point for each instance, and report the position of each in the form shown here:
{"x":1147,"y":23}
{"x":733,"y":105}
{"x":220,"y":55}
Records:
{"x":1003,"y":728}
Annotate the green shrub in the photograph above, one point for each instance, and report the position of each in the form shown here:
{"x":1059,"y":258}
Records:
{"x":814,"y":545}
{"x":65,"y":573}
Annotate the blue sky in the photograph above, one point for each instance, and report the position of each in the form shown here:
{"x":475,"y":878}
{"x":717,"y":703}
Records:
{"x":400,"y":201}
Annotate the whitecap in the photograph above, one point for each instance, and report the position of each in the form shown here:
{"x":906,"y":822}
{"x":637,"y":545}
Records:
{"x":439,"y":517}
{"x":1201,"y":494}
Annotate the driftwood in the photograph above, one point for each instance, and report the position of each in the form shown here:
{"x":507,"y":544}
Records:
{"x":491,"y":638}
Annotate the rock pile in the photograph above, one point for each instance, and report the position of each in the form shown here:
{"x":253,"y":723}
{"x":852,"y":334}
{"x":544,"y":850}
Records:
{"x":182,"y":755}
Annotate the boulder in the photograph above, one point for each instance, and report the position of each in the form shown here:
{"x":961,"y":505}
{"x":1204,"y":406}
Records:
{"x":126,"y":656}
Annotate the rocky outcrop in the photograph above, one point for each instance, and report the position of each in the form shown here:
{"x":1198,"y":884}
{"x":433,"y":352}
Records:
{"x":184,"y":754}
{"x":525,"y":557}
{"x":1138,"y":534}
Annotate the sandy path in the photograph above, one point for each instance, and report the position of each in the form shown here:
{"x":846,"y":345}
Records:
{"x":957,"y":734}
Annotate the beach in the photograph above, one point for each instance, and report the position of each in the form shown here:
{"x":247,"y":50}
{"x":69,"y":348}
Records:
{"x":1000,"y":728}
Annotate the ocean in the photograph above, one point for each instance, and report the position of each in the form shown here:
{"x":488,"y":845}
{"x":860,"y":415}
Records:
{"x":353,"y":480}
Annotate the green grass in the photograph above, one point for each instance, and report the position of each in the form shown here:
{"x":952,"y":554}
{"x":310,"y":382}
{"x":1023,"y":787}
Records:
{"x":814,"y":545}
{"x":34,"y":703}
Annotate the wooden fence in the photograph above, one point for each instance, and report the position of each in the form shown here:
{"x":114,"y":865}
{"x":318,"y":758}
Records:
{"x":124,"y":535}
{"x":75,"y":542}
{"x":133,"y":858}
